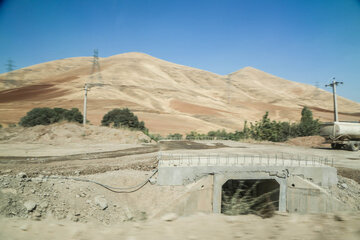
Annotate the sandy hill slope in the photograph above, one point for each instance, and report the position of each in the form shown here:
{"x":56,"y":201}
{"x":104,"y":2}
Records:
{"x":167,"y":96}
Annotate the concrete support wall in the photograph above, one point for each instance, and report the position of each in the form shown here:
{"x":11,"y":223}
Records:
{"x":301,"y":188}
{"x":198,"y":198}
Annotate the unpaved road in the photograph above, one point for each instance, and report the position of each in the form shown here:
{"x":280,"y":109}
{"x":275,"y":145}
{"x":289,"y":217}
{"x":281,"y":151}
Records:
{"x":66,"y":159}
{"x":69,"y":209}
{"x":199,"y":226}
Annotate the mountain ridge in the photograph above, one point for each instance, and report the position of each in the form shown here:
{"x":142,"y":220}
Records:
{"x":169,"y":97}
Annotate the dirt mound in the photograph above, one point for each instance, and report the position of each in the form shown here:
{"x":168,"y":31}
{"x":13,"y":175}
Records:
{"x":40,"y":197}
{"x":57,"y":204}
{"x":310,"y":141}
{"x":62,"y":133}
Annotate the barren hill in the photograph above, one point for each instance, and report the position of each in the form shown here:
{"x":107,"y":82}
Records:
{"x":168,"y":97}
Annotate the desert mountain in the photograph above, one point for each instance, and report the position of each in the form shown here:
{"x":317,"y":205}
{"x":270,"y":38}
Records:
{"x":168,"y":97}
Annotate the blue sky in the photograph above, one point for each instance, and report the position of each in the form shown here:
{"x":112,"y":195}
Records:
{"x":308,"y":41}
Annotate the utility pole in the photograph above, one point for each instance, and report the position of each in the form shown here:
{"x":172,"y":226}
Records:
{"x":85,"y":103}
{"x":333,"y":84}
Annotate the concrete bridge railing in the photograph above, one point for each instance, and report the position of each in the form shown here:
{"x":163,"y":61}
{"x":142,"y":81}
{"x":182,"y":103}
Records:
{"x":189,"y":160}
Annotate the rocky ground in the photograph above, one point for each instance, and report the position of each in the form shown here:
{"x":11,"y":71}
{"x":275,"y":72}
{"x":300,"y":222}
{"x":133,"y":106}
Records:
{"x":50,"y":197}
{"x":198,"y":226}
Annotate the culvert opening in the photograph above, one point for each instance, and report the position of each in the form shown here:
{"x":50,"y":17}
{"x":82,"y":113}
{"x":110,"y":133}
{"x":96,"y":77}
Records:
{"x":260,"y":197}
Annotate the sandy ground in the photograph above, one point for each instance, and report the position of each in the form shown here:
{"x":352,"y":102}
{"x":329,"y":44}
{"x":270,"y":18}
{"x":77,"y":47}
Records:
{"x":199,"y":226}
{"x":37,"y":202}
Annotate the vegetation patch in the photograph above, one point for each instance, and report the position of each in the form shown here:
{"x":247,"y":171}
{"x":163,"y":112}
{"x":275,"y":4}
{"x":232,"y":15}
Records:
{"x":266,"y":130}
{"x":46,"y":116}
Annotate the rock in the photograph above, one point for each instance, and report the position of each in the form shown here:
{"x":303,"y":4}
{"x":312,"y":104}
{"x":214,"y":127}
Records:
{"x":344,"y":185}
{"x":24,"y":227}
{"x":101,"y":202}
{"x":30,"y":205}
{"x":339,"y":218}
{"x":231,"y":219}
{"x":169,"y":217}
{"x":37,"y":214}
{"x":22,"y":175}
{"x":44,"y":205}
{"x":9,"y":190}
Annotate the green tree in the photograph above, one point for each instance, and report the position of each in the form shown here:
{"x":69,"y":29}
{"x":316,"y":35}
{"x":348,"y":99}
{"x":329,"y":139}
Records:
{"x":177,"y":136}
{"x":308,"y":126}
{"x":39,"y":116}
{"x":73,"y":115}
{"x":123,"y":118}
{"x":46,"y":116}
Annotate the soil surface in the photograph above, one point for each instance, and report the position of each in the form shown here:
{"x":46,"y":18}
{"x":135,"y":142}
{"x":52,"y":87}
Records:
{"x":198,"y":226}
{"x":49,"y":190}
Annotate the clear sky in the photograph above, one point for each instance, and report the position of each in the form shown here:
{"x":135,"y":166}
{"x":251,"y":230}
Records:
{"x":308,"y":41}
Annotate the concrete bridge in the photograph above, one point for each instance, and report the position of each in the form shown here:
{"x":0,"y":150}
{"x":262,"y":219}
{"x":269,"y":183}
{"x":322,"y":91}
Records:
{"x":300,"y":183}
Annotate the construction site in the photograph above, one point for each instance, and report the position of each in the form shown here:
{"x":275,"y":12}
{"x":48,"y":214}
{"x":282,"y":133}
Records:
{"x":89,"y":180}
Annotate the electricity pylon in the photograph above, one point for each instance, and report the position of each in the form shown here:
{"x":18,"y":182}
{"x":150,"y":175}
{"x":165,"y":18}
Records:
{"x":95,"y":73}
{"x":10,"y":65}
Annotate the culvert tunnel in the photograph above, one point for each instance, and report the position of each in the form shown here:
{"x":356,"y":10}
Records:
{"x":255,"y":196}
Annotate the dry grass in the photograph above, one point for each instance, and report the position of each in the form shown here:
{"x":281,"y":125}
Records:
{"x":246,"y":201}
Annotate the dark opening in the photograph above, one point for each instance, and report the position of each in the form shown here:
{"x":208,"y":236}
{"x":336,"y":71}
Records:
{"x":260,"y":197}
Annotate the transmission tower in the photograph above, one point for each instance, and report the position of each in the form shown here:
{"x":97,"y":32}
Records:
{"x":333,"y":84}
{"x":96,"y":80}
{"x":10,"y":65}
{"x":95,"y":71}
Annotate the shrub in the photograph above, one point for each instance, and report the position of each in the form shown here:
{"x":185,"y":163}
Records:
{"x":177,"y":136}
{"x":195,"y":136}
{"x":155,"y":137}
{"x":123,"y":118}
{"x":0,"y":126}
{"x":269,"y":130}
{"x":46,"y":116}
{"x":73,"y":115}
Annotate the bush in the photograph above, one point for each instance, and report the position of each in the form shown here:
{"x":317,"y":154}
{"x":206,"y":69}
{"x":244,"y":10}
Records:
{"x":46,"y":116}
{"x":176,"y":136}
{"x":123,"y":118}
{"x":196,"y":136}
{"x":267,"y":130}
{"x":73,"y":115}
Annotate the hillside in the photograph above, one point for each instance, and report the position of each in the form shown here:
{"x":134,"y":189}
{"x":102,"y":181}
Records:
{"x":167,"y":96}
